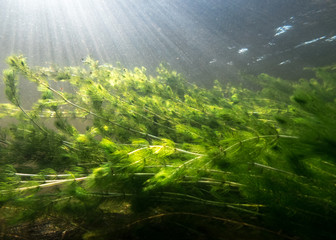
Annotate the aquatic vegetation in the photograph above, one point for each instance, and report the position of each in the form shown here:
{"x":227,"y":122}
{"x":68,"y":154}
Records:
{"x":129,"y":155}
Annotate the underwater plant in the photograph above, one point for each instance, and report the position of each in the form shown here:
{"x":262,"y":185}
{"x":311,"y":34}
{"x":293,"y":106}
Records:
{"x":122,"y":154}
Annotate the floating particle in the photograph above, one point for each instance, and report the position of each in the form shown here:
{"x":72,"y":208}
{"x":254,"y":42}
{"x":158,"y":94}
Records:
{"x":242,"y":50}
{"x":282,"y":30}
{"x":310,"y":42}
{"x":213,"y":60}
{"x":333,"y":38}
{"x":285,"y":62}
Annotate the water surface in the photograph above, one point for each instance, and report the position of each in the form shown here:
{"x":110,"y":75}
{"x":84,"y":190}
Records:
{"x":202,"y":39}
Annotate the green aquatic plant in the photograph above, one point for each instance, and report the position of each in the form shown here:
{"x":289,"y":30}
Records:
{"x":149,"y":156}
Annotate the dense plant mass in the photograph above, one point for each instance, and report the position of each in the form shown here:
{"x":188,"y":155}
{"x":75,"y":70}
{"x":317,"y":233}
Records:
{"x":108,"y":153}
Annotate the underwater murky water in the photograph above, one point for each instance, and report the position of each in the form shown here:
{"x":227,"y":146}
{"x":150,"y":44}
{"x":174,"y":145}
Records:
{"x":204,"y":40}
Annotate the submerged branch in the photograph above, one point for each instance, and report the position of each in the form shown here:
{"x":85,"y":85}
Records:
{"x":264,"y":136}
{"x":272,"y":168}
{"x":161,"y":146}
{"x":39,"y":175}
{"x":46,"y":185}
{"x":31,"y":119}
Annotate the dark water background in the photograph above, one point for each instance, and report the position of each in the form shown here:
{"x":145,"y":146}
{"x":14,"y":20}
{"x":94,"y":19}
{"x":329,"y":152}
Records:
{"x":203,"y":39}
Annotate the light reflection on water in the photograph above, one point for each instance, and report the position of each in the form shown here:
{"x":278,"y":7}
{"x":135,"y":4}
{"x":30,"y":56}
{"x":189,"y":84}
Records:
{"x":204,"y":40}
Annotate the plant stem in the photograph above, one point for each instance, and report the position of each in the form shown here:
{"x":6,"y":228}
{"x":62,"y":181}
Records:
{"x":46,"y":185}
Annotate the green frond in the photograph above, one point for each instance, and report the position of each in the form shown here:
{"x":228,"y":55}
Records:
{"x":10,"y":79}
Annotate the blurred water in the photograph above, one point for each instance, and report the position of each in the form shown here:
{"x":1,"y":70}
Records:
{"x":202,"y":39}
